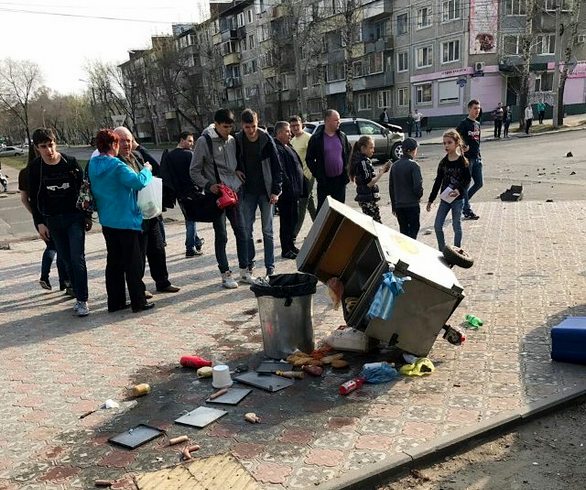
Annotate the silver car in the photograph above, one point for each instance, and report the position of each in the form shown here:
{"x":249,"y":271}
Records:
{"x":11,"y":151}
{"x":387,"y":140}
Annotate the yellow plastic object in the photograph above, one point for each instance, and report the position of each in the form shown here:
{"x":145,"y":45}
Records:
{"x":420,"y":367}
{"x":204,"y":372}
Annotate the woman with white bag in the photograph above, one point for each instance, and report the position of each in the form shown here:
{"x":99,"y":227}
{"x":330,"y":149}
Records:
{"x":114,"y":187}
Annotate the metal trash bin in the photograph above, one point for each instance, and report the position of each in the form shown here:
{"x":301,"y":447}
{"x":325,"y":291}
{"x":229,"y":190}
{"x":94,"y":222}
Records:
{"x":350,"y":245}
{"x":285,"y":308}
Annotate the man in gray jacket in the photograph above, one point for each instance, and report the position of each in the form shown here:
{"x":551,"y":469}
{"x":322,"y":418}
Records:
{"x":406,"y":189}
{"x":203,"y":174}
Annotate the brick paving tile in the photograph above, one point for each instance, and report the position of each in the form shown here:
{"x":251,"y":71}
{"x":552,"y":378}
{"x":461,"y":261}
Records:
{"x":272,"y":472}
{"x":324,"y":457}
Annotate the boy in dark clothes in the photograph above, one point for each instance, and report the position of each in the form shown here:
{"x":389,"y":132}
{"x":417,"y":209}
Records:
{"x":406,"y":189}
{"x":469,"y":130}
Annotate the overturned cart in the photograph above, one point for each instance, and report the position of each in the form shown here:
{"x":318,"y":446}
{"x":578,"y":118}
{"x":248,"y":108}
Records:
{"x":351,"y":246}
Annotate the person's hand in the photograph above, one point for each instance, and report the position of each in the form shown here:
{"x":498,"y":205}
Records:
{"x":44,"y":232}
{"x":215,"y":188}
{"x":428,"y":207}
{"x":88,"y":223}
{"x":240,"y":175}
{"x":274,"y":198}
{"x":387,"y":167}
{"x":454,"y":193}
{"x":148,"y":165}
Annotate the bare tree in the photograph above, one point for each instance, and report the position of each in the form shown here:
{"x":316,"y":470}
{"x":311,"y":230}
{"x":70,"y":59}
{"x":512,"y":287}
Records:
{"x":19,"y":82}
{"x":107,"y":99}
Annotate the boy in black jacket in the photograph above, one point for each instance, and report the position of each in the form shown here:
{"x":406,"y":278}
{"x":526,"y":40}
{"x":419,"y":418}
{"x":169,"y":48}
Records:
{"x":469,"y":130}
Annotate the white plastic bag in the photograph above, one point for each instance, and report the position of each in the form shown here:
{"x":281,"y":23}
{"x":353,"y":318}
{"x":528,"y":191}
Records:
{"x":150,"y":199}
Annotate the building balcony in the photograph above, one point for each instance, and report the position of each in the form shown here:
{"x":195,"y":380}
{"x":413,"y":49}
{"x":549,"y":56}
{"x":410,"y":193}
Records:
{"x":377,"y":10}
{"x":231,"y":59}
{"x":381,"y":44}
{"x":241,"y":33}
{"x":229,"y":34}
{"x":380,"y":80}
{"x":233,"y":82}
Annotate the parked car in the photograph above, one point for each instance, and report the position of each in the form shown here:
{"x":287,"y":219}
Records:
{"x":11,"y":151}
{"x":387,"y":140}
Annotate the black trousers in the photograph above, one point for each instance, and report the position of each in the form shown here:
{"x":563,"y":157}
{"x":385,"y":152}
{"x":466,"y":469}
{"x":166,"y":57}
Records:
{"x":153,"y":250}
{"x":498,"y":124}
{"x":331,"y":186}
{"x":408,"y":219}
{"x":124,"y":261}
{"x":288,"y":219}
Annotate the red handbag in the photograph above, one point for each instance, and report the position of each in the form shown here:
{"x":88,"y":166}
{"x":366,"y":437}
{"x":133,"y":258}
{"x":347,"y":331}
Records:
{"x":228,"y":197}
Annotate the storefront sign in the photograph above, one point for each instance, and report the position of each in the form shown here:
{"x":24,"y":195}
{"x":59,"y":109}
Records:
{"x":483,"y":22}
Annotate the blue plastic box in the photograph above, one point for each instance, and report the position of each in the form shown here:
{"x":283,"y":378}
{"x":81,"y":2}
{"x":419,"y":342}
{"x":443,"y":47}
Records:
{"x":568,"y":340}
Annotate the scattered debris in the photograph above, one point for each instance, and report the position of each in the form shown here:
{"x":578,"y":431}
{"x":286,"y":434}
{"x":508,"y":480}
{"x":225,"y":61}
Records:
{"x":204,"y":372}
{"x":333,"y":357}
{"x":569,"y":154}
{"x":141,"y":389}
{"x":110,"y":404}
{"x":252,"y":418}
{"x":420,"y":367}
{"x":473,"y":321}
{"x":194,"y":362}
{"x":218,"y":393}
{"x":514,"y":193}
{"x":313,"y":370}
{"x":4,"y":246}
{"x":200,"y":417}
{"x":86,"y":414}
{"x":572,"y":173}
{"x":136,"y":436}
{"x":103,"y":483}
{"x":290,"y":374}
{"x":339,"y":364}
{"x":186,"y":453}
{"x":549,"y":200}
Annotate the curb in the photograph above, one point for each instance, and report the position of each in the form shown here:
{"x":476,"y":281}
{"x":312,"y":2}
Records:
{"x":432,"y":452}
{"x":521,"y":136}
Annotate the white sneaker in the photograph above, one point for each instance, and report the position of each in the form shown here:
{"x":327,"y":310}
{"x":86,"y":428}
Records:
{"x":81,"y":308}
{"x":247,"y":277}
{"x":228,"y":281}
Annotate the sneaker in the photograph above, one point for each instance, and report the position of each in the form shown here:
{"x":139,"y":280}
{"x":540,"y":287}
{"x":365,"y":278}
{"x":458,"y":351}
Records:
{"x":81,"y":308}
{"x":270,"y":271}
{"x":289,"y":254}
{"x":148,"y":294}
{"x":247,"y":276}
{"x":228,"y":281}
{"x":45,"y":284}
{"x":190,"y":253}
{"x":470,"y":216}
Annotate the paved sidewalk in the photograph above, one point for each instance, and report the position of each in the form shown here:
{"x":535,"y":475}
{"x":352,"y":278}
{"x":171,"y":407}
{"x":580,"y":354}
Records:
{"x":529,"y":275}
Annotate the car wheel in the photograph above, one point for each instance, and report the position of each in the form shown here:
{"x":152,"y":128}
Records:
{"x":397,"y":151}
{"x":457,"y":256}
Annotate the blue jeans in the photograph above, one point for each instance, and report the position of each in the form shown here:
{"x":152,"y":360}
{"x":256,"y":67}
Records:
{"x":191,"y":239}
{"x":235,"y":217}
{"x":418,"y":129}
{"x":476,"y":173}
{"x":249,"y":205}
{"x":442,"y":211}
{"x":47,"y":260}
{"x":68,"y":233}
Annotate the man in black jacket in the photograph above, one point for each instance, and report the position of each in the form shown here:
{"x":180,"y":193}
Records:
{"x":175,"y":172}
{"x":327,"y":158}
{"x":292,"y":190}
{"x":469,"y":129}
{"x":152,"y":243}
{"x":260,"y":171}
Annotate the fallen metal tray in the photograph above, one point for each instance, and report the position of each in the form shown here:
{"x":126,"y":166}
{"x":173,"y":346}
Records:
{"x":269,"y":382}
{"x":273,"y":366}
{"x":200,"y":417}
{"x":136,"y":436}
{"x":233,"y":397}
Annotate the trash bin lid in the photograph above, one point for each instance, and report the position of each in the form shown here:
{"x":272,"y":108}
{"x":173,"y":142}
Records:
{"x":286,"y":286}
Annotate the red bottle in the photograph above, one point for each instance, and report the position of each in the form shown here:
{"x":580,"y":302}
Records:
{"x":351,"y":385}
{"x":194,"y":362}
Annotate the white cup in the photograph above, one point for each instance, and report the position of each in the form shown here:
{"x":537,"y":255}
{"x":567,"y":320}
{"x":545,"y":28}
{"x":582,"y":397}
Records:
{"x":221,"y":376}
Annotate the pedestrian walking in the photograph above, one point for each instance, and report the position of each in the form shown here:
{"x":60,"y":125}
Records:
{"x":362,"y":173}
{"x":498,"y":115}
{"x":452,"y":180}
{"x":54,"y":183}
{"x":417,"y":120}
{"x":406,"y":189}
{"x":507,"y":117}
{"x":260,"y":171}
{"x":410,"y":124}
{"x":384,"y":117}
{"x":214,"y":162}
{"x":541,"y":111}
{"x":327,"y":159}
{"x":528,"y":118}
{"x":469,"y":130}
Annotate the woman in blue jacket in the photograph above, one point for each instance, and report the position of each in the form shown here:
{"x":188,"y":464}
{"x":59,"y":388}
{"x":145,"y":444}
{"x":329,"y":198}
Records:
{"x":114,"y":187}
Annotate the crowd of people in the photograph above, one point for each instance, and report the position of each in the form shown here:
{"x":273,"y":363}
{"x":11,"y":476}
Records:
{"x":269,"y":174}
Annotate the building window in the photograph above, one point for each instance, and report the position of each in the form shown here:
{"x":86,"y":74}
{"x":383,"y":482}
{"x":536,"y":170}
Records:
{"x":545,"y":44}
{"x":451,"y":51}
{"x":424,"y":57}
{"x":384,"y":99}
{"x":240,"y":19}
{"x":335,"y":72}
{"x":423,"y":93}
{"x":249,"y":16}
{"x":284,"y":82}
{"x":373,"y":63}
{"x":544,"y":82}
{"x":402,"y":97}
{"x":403,"y":61}
{"x":380,"y":30}
{"x":512,"y":45}
{"x":450,"y":10}
{"x":250,"y":92}
{"x":449,"y":92}
{"x":251,"y":41}
{"x":357,"y":69}
{"x":516,"y":7}
{"x":402,"y":24}
{"x":424,"y":17}
{"x":364,"y":102}
{"x":565,"y":5}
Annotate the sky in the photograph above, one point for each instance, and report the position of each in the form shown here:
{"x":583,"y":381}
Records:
{"x":61,"y":36}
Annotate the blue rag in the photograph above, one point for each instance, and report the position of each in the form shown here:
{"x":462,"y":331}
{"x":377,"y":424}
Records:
{"x":384,"y":299}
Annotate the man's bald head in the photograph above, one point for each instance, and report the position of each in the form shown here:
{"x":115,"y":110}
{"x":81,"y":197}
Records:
{"x":126,"y":140}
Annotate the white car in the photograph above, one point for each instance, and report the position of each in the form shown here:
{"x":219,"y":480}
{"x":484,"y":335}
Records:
{"x":11,"y":151}
{"x":388,"y":139}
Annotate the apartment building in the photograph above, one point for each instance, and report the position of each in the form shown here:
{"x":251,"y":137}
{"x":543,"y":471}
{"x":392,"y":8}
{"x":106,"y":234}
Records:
{"x":284,"y":57}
